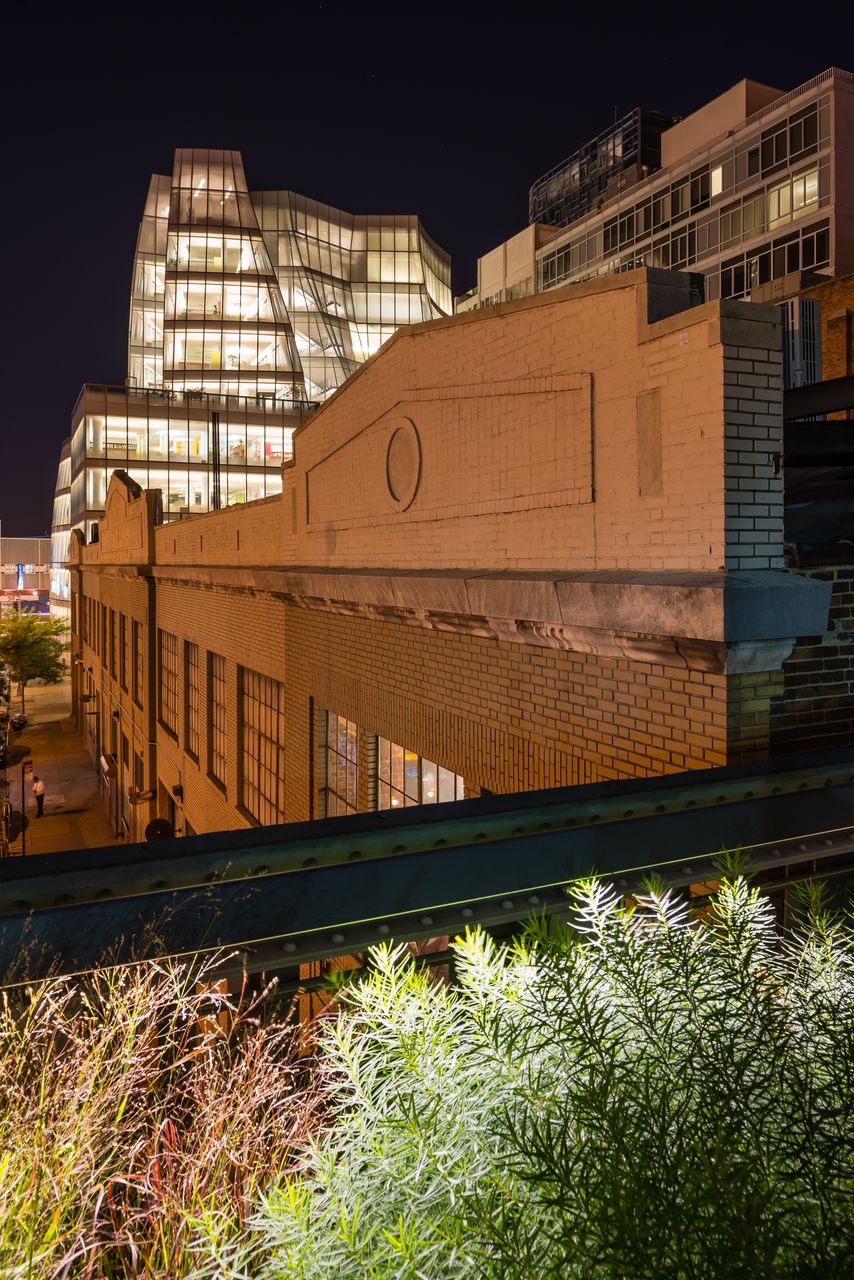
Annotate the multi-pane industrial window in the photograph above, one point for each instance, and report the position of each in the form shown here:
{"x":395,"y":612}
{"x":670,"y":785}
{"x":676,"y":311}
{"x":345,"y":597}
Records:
{"x":216,"y":718}
{"x":262,"y":746}
{"x":405,"y":779}
{"x":167,"y":683}
{"x":114,"y":643}
{"x":123,"y":651}
{"x":138,"y":665}
{"x":191,"y":699}
{"x":341,"y":793}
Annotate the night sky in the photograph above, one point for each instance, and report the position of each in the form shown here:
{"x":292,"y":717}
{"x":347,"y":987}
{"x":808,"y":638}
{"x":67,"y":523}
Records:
{"x":449,"y":112}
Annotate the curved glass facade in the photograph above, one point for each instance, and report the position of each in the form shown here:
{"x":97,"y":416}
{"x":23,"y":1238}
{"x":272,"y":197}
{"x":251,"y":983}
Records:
{"x":245,"y":312}
{"x":268,"y":295}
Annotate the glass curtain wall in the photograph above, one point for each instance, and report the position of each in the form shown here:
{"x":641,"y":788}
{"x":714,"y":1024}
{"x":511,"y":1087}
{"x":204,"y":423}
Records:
{"x":349,"y":281}
{"x":269,"y":294}
{"x":60,"y":576}
{"x":148,"y":287}
{"x":226,"y":329}
{"x":168,"y":441}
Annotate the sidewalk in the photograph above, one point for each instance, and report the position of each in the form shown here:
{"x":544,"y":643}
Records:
{"x":73,"y":813}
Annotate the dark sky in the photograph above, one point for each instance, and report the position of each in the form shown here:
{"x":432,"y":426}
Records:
{"x":445,"y":111}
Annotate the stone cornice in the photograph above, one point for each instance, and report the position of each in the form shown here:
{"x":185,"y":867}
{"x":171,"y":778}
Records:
{"x":718,"y":622}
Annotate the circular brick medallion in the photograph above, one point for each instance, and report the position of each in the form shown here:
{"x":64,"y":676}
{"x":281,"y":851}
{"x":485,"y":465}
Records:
{"x":403,"y":463}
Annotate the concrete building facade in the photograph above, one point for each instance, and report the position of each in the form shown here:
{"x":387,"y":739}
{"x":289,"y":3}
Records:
{"x":535,"y":545}
{"x":754,"y":191}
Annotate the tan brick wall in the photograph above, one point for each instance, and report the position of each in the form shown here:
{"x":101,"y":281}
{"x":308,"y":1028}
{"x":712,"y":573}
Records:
{"x":506,"y":717}
{"x":590,"y":439}
{"x":527,"y":418}
{"x":749,"y":698}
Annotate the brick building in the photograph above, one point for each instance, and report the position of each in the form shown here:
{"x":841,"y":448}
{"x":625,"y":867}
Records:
{"x":533,"y":545}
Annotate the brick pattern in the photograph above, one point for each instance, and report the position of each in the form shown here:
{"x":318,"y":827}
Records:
{"x":749,"y":714}
{"x":560,"y":375}
{"x":506,"y":717}
{"x":814,"y":709}
{"x":753,"y":441}
{"x":837,"y":328}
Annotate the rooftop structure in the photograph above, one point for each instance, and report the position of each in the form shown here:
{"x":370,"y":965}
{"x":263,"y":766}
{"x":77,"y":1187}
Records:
{"x":755,"y":193}
{"x":622,"y":155}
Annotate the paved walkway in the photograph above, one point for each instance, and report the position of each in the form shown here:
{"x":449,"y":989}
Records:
{"x":73,"y":812}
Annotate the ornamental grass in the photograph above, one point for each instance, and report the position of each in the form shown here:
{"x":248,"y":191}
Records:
{"x":141,"y":1112}
{"x":636,"y":1091}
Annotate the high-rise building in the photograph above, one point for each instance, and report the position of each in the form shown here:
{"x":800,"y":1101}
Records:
{"x":60,"y":583}
{"x":246,"y":311}
{"x":754,"y":191}
{"x":268,"y":294}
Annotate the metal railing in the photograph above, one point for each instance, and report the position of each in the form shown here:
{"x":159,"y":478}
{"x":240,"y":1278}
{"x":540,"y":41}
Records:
{"x":287,"y":895}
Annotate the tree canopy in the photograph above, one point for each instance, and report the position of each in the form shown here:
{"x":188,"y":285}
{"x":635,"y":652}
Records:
{"x":33,"y":648}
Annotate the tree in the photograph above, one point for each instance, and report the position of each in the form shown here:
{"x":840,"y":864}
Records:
{"x":639,"y":1093}
{"x":32,"y":648}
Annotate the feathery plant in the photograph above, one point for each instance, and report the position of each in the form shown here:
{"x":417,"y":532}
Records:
{"x":133,"y":1125}
{"x":637,"y":1092}
{"x":641,"y":1090}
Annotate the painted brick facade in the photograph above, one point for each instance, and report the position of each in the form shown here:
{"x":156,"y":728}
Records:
{"x":509,"y":545}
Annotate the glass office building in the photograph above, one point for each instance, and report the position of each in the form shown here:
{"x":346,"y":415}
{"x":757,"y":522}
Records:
{"x":268,"y":294}
{"x":203,"y":452}
{"x":60,"y":578}
{"x":246,"y":311}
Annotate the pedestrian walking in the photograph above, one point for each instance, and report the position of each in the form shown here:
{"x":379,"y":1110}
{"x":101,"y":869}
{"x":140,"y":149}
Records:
{"x":38,"y":792}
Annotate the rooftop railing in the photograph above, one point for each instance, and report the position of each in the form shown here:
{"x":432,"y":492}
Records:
{"x":165,"y":395}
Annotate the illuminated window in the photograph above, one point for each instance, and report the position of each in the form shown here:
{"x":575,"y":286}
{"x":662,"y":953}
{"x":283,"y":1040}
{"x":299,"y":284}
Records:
{"x":779,"y":203}
{"x":341,"y":792}
{"x":167,"y":670}
{"x":191,"y":699}
{"x":262,"y":746}
{"x":405,"y":779}
{"x":216,"y":718}
{"x":717,"y":181}
{"x":804,"y":191}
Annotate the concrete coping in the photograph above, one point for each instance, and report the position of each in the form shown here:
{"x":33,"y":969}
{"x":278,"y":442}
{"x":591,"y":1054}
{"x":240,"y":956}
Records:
{"x":723,"y":607}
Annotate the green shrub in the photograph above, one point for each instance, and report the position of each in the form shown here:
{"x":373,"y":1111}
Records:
{"x":637,"y":1094}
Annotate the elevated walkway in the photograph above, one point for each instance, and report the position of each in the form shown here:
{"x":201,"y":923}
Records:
{"x":283,"y":896}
